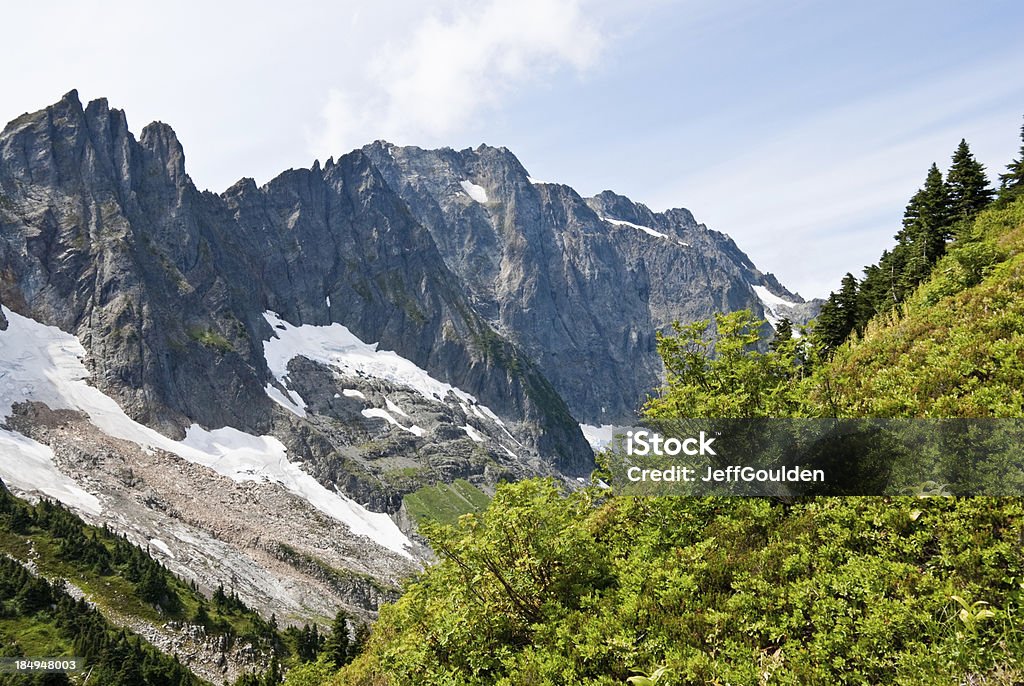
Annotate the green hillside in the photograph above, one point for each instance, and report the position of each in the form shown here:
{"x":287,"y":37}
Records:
{"x":39,"y":618}
{"x":956,"y":348}
{"x":591,"y":588}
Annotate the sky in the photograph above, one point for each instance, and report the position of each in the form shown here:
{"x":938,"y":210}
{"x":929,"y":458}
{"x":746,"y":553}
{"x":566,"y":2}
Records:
{"x":800,"y":129}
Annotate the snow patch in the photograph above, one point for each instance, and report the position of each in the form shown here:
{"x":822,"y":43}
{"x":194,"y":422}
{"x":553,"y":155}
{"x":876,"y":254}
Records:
{"x":338,"y":347}
{"x":42,"y":363}
{"x":478,"y":193}
{"x":646,"y":229}
{"x":161,"y":546}
{"x":473,"y":433}
{"x":395,"y":408}
{"x":28,"y":466}
{"x":376,"y":412}
{"x":599,"y":437}
{"x":771,"y":304}
{"x":285,"y":401}
{"x":352,"y":393}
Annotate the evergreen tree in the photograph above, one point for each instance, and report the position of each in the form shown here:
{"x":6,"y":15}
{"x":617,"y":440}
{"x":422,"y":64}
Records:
{"x":336,"y":647}
{"x":927,"y":225}
{"x":969,"y":191}
{"x":830,"y":328}
{"x":839,"y":315}
{"x":362,"y":638}
{"x":847,"y":300}
{"x":783,"y":333}
{"x":1011,"y":184}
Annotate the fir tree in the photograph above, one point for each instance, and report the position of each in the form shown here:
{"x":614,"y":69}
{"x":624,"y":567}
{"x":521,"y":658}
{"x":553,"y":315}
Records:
{"x":1011,"y":184}
{"x":783,"y":333}
{"x":829,"y":327}
{"x":362,"y":638}
{"x":336,"y":647}
{"x":927,"y":225}
{"x":847,"y":300}
{"x":969,"y":191}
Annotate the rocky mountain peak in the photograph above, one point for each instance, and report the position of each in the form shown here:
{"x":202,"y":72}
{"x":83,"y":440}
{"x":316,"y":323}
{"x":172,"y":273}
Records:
{"x":161,"y":142}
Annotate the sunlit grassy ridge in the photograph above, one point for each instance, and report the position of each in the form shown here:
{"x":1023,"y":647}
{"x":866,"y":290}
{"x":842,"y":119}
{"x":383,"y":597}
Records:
{"x":956,"y":349}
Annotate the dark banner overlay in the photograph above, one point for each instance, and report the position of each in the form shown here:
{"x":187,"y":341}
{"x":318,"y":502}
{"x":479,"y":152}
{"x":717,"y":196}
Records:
{"x":793,"y":457}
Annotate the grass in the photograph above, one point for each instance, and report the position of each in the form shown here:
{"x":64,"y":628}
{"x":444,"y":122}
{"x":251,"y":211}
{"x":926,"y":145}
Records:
{"x":211,"y":339}
{"x":445,"y":503}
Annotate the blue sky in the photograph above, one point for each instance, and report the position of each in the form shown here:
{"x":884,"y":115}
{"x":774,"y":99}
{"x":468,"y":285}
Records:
{"x":799,"y":128}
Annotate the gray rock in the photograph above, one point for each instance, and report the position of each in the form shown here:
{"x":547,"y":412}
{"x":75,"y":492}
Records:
{"x":574,"y":282}
{"x":107,"y":237}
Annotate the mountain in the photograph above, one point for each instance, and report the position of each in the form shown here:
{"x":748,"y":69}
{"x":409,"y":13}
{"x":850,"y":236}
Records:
{"x":580,"y":284}
{"x":261,"y":379}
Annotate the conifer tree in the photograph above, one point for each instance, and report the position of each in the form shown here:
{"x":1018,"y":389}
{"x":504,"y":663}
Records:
{"x":1011,"y":184}
{"x":362,"y":638}
{"x":969,"y":191}
{"x":927,"y":225}
{"x":783,"y":333}
{"x":848,"y":303}
{"x":829,"y":328}
{"x":336,"y":647}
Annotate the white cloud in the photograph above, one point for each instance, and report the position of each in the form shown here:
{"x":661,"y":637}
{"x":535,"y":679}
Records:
{"x":450,"y":72}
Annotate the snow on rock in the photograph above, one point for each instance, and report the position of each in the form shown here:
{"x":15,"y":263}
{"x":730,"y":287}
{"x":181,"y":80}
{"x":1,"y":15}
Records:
{"x":285,"y":400}
{"x":389,"y":418}
{"x":646,"y":229}
{"x":28,"y":466}
{"x":244,"y":457}
{"x":599,"y":437}
{"x":772,"y":304}
{"x":44,"y":364}
{"x":161,"y":546}
{"x":336,"y":346}
{"x":392,"y":407}
{"x":474,"y":191}
{"x":473,"y":433}
{"x":353,"y":393}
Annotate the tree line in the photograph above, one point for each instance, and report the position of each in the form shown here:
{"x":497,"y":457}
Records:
{"x":940,"y":211}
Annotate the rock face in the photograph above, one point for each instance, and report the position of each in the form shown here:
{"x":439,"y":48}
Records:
{"x":581,"y":285}
{"x":106,"y":237}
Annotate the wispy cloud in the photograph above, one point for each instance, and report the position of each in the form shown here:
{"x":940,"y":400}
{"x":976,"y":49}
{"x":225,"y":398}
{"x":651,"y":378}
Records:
{"x":449,"y":71}
{"x":833,"y":184}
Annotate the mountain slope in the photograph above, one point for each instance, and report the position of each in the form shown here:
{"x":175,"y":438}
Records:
{"x":955,"y":349}
{"x":905,"y":590}
{"x":166,"y":286}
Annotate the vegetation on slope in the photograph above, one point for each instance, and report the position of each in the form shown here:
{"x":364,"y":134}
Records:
{"x":593,"y":588}
{"x":39,"y":619}
{"x":445,"y":503}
